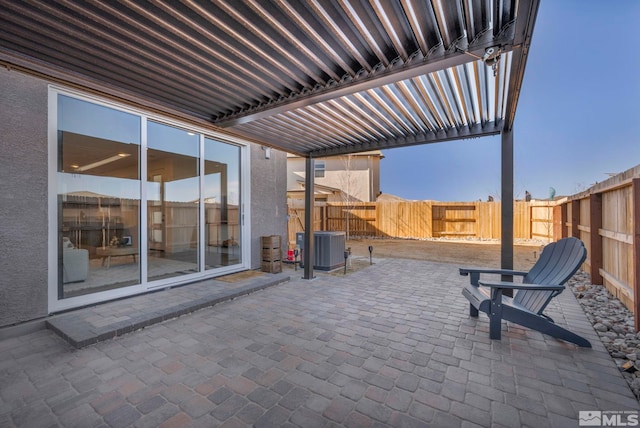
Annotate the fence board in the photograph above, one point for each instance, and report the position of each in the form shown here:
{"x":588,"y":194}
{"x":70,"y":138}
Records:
{"x":489,"y":221}
{"x":541,"y":220}
{"x":617,"y":243}
{"x":423,"y":219}
{"x":521,"y":221}
{"x":454,"y":219}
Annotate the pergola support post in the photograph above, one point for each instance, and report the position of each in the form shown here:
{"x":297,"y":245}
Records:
{"x":506,"y":251}
{"x":307,"y":252}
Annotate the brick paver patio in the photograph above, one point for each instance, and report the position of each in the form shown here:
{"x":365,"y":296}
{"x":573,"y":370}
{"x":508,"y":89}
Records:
{"x":390,"y":345}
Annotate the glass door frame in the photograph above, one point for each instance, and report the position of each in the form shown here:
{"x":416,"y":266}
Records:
{"x":55,"y":304}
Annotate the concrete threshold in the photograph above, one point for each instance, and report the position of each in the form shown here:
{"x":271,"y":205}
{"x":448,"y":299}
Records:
{"x":105,"y":321}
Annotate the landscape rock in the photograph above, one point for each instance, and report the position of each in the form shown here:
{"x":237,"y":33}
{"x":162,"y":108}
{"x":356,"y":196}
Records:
{"x":600,"y":327}
{"x":615,"y":325}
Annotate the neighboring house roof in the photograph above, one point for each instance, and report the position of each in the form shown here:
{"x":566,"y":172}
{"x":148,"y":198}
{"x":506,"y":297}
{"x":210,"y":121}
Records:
{"x":368,"y":153}
{"x":388,"y":197}
{"x":319,"y":188}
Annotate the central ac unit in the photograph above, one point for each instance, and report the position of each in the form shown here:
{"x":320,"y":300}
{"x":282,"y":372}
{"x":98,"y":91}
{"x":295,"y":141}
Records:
{"x":328,"y":249}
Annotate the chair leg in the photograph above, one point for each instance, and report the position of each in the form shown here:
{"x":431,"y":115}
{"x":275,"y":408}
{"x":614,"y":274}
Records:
{"x":495,"y":317}
{"x":540,"y":324}
{"x":561,"y":333}
{"x":495,"y":327}
{"x":473,"y":311}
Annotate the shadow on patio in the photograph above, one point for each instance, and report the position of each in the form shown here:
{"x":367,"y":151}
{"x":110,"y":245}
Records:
{"x":388,"y":345}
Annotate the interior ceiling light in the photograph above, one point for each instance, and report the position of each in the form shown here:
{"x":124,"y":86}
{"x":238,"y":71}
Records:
{"x":102,"y":162}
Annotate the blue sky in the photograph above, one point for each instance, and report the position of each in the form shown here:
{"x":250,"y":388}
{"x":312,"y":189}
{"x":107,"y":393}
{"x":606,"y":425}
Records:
{"x":577,"y":120}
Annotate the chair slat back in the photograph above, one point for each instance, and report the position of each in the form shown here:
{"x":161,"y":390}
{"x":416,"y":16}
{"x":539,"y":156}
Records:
{"x":557,"y":263}
{"x":536,"y":301}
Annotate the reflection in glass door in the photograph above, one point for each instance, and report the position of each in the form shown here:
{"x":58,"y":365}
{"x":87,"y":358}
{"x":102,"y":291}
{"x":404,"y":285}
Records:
{"x":117,"y":172}
{"x":98,"y":198}
{"x":222,"y":204}
{"x":173,"y":201}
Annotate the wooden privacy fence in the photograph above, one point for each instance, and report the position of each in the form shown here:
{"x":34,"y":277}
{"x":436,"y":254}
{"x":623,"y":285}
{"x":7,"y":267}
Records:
{"x":424,"y":219}
{"x":607,"y":219}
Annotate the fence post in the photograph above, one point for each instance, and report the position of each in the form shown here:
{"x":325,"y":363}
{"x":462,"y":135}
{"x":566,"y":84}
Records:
{"x":635,"y":189}
{"x":378,"y":221}
{"x":575,"y":218}
{"x":595,"y":214}
{"x":559,"y":220}
{"x":527,"y":216}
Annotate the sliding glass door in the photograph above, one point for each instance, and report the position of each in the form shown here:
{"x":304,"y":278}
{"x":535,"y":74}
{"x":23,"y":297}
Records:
{"x":222,"y":204}
{"x":98,"y":198}
{"x":173,"y":201}
{"x":139,"y":203}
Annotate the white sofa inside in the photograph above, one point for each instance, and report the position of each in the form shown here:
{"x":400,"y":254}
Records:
{"x":75,"y":262}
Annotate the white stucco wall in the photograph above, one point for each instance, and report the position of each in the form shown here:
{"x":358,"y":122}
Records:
{"x":359,"y":177}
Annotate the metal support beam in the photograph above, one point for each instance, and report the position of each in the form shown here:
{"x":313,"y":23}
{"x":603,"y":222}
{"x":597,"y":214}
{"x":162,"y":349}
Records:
{"x":451,"y":134}
{"x":307,"y":252}
{"x":506,"y":252}
{"x":528,"y":11}
{"x":393,"y":73}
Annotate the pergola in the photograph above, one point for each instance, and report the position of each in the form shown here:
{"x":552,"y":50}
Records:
{"x":310,"y":77}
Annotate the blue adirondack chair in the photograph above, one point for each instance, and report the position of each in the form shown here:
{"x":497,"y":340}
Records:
{"x":557,"y":263}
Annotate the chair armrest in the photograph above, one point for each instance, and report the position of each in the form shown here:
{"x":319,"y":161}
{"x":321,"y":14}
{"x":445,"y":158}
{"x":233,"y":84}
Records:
{"x":517,"y":286}
{"x":464,"y":271}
